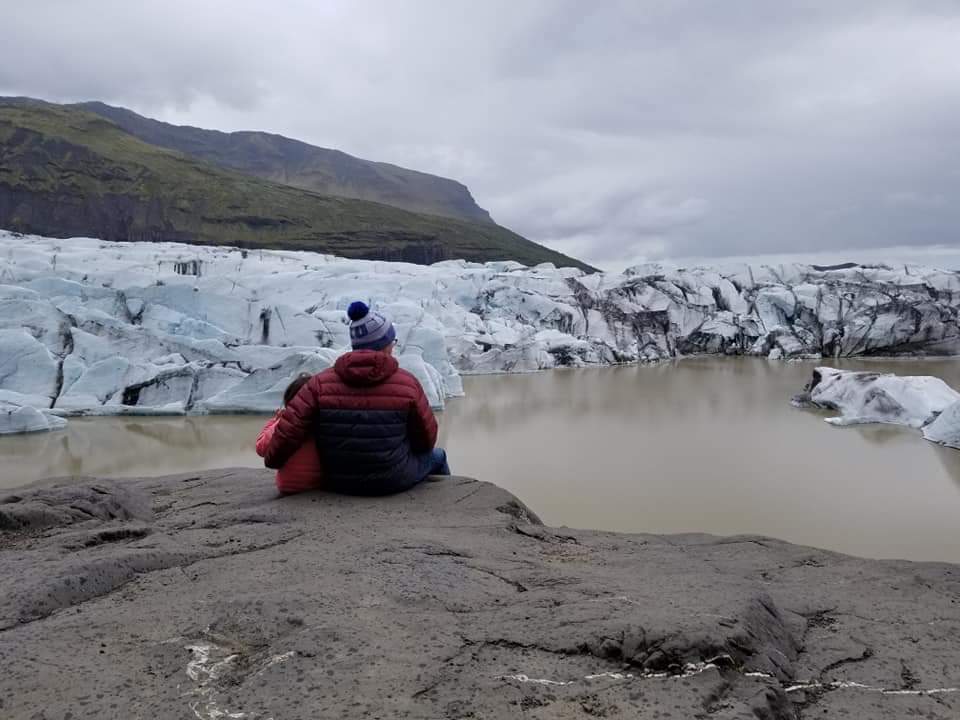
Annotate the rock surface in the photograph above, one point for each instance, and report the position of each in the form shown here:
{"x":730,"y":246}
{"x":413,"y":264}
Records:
{"x":92,"y":327}
{"x":205,"y":596}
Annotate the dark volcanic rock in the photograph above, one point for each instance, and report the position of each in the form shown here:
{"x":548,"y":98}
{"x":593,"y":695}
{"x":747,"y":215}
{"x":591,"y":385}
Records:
{"x":206,"y":596}
{"x":50,"y":507}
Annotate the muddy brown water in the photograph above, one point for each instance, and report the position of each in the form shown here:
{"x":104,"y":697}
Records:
{"x":706,"y":445}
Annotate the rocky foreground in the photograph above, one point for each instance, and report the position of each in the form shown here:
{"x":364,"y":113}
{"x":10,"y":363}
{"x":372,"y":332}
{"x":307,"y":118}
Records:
{"x":206,"y":596}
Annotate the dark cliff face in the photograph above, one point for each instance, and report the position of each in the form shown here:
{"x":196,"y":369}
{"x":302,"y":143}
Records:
{"x":126,"y":218}
{"x":291,"y":162}
{"x":110,"y":217}
{"x":66,"y":173}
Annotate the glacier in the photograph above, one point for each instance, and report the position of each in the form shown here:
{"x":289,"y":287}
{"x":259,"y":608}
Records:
{"x":920,"y":402}
{"x":945,"y":429}
{"x":95,"y":327}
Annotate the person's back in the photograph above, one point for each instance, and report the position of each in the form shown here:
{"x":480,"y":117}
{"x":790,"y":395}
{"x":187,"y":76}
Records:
{"x":371,"y":419}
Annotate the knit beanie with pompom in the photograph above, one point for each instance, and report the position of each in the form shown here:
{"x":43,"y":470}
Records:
{"x":369,"y":330}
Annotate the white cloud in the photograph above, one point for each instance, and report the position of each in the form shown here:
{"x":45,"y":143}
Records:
{"x":612,"y":130}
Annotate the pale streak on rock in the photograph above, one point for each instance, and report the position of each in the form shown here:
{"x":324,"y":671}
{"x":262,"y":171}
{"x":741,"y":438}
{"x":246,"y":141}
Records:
{"x":275,"y":660}
{"x":689,"y":670}
{"x":853,"y":685}
{"x":199,"y":669}
{"x":535,"y":681}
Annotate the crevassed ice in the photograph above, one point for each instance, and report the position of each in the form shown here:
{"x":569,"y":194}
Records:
{"x":93,"y":327}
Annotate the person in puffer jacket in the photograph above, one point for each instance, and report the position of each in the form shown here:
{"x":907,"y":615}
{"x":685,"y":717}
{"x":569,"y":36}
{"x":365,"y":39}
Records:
{"x":302,"y":470}
{"x":371,"y":420}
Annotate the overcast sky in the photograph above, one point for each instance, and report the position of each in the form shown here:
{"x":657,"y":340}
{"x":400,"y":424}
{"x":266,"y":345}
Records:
{"x":614,"y":131}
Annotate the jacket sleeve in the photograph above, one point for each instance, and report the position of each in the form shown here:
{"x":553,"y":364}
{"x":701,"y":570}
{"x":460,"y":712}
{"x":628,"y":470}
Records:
{"x":263,"y":439}
{"x":422,"y":425}
{"x":293,"y":426}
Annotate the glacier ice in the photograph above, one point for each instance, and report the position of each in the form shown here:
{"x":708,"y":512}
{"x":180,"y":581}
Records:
{"x":94,"y":327}
{"x":16,"y":418}
{"x":869,"y":397}
{"x":945,"y":429}
{"x":921,"y":402}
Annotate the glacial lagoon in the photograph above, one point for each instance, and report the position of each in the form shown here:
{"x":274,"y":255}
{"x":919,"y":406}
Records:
{"x":700,"y":445}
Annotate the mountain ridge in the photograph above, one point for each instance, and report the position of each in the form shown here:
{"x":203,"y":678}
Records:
{"x":66,"y":172}
{"x":289,"y":161}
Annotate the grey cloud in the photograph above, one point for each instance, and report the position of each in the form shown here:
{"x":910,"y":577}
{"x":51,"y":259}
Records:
{"x":152,"y":54}
{"x":615,"y":130}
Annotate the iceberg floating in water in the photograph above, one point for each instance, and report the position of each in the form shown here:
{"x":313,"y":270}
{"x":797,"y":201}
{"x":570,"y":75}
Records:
{"x":94,"y":327}
{"x":15,"y":418}
{"x":945,"y":430}
{"x":920,"y":402}
{"x":869,"y":397}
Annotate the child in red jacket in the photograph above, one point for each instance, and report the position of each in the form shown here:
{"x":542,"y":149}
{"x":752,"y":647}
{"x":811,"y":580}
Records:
{"x":302,"y":470}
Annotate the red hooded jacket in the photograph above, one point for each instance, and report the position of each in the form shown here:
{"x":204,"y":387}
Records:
{"x":302,"y":470}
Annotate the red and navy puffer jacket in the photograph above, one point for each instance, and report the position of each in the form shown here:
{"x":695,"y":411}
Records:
{"x":370,"y":420}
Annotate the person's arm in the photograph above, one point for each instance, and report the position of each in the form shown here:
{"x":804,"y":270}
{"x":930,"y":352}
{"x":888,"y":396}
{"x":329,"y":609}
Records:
{"x":293,"y":426}
{"x":422,"y":425}
{"x":263,"y":439}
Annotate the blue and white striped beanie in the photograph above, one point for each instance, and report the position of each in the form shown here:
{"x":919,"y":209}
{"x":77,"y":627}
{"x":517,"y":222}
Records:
{"x":369,"y":330}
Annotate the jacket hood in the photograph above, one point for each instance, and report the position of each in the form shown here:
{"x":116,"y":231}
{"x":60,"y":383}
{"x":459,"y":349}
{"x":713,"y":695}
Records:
{"x":363,"y":368}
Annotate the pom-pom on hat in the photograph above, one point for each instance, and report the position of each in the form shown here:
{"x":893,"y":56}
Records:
{"x":369,"y":330}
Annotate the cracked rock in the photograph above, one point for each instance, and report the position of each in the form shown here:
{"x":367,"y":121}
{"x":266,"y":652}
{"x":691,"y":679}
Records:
{"x":206,"y":595}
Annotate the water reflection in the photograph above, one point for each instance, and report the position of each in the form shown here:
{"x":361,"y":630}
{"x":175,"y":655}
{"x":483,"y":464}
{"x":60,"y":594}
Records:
{"x":129,"y":447}
{"x":950,"y":459}
{"x":710,"y":445}
{"x":702,"y":445}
